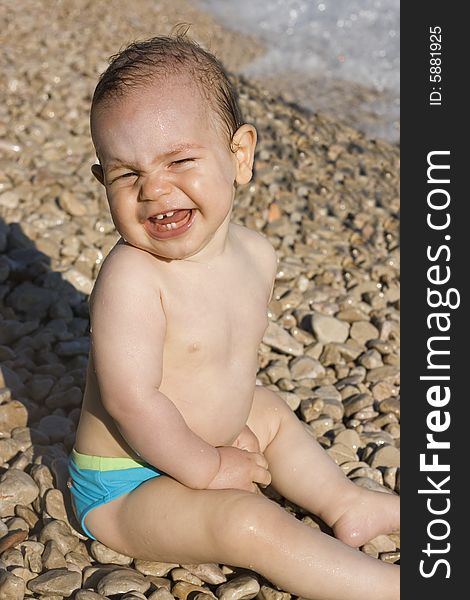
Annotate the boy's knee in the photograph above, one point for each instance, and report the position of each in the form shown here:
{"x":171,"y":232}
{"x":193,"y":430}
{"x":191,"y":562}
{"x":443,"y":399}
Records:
{"x":247,"y":515}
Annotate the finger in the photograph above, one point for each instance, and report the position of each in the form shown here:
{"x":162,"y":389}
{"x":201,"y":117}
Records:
{"x":260,"y":460}
{"x":262,"y":476}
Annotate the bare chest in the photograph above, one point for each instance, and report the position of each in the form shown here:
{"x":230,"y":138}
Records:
{"x":215,"y":315}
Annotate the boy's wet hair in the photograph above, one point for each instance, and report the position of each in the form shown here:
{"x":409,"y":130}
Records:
{"x":141,"y":63}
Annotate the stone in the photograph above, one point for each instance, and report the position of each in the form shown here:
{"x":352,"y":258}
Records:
{"x":390,"y":405}
{"x":52,"y":557}
{"x":12,"y":539}
{"x":121,"y":581}
{"x":349,"y":438}
{"x":72,"y":204}
{"x":59,"y":532}
{"x":268,"y":593}
{"x":54,"y":505}
{"x":16,"y":487}
{"x":61,"y":582}
{"x":321,"y":425}
{"x":370,"y":359}
{"x":43,"y":478}
{"x":341,"y":454}
{"x":363,"y":331}
{"x":13,"y":557}
{"x":387,"y":373}
{"x":386,"y":456}
{"x":103,"y":554}
{"x":311,"y":409}
{"x":276,"y":337}
{"x":164,"y":594}
{"x":357,"y":402}
{"x":328,"y":329}
{"x":148,"y":567}
{"x":88,"y":595}
{"x":56,"y":427}
{"x":12,"y":414}
{"x":243,"y":587}
{"x":208,"y":572}
{"x":182,"y":590}
{"x":11,"y":586}
{"x":305,"y":367}
{"x":181,"y":574}
{"x":369,"y":472}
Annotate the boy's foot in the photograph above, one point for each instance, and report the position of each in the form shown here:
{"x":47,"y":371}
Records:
{"x":367,"y":515}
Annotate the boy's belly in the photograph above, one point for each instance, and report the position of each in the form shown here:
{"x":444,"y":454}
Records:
{"x":215,"y":404}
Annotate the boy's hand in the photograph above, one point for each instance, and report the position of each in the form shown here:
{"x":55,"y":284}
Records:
{"x":241,"y":470}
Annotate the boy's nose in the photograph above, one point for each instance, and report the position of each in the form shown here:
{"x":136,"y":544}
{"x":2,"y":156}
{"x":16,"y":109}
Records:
{"x":154,"y":186}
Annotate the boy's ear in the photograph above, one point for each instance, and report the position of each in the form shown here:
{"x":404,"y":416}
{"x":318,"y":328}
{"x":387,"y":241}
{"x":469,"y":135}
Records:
{"x":97,"y":171}
{"x":243,"y":146}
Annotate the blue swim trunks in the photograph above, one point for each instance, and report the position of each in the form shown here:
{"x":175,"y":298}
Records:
{"x":96,"y":480}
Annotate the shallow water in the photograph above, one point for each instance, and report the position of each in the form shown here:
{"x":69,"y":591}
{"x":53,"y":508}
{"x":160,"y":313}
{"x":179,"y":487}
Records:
{"x":344,"y":44}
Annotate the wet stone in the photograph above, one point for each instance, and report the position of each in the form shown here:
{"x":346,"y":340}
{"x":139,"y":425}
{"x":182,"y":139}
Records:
{"x":208,"y":572}
{"x":349,"y":438}
{"x":121,"y":581}
{"x":240,"y":588}
{"x":386,"y":456}
{"x":341,"y":454}
{"x":182,"y":590}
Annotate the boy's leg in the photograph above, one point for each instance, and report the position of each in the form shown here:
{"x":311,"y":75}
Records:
{"x":303,"y":472}
{"x":164,"y":520}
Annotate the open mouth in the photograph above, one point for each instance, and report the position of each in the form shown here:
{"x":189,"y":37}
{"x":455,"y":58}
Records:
{"x":170,"y":224}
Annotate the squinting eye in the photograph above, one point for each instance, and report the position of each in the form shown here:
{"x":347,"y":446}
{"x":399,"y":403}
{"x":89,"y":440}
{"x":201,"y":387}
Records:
{"x":177,"y":162}
{"x":127,"y":175}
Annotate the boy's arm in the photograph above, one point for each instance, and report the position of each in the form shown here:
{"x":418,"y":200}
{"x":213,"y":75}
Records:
{"x":127,"y":334}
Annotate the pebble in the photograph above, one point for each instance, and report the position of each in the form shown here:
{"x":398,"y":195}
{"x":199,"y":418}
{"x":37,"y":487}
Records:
{"x":11,"y":586}
{"x":16,"y":487}
{"x":182,"y":590}
{"x":305,"y":367}
{"x":363,"y":331}
{"x":103,"y":554}
{"x":244,"y":587}
{"x":276,"y":337}
{"x":328,"y":329}
{"x":61,"y":582}
{"x":121,"y":581}
{"x":207,"y":572}
{"x":386,"y":456}
{"x":88,"y":595}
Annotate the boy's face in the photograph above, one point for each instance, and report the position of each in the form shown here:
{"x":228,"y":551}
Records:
{"x":161,"y":151}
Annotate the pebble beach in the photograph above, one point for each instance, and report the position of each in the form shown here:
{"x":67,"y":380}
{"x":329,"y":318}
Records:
{"x":324,"y":194}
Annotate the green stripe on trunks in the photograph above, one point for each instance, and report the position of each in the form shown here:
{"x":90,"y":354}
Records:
{"x":105,"y":463}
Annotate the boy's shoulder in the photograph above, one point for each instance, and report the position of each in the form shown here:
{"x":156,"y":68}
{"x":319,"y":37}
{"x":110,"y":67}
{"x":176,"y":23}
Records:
{"x":257,"y":245}
{"x":124,"y":268}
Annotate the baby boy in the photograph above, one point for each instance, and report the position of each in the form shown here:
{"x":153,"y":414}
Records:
{"x":175,"y":435}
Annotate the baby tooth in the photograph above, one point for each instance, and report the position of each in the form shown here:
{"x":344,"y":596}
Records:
{"x":170,"y":214}
{"x":173,"y":225}
{"x":160,"y":216}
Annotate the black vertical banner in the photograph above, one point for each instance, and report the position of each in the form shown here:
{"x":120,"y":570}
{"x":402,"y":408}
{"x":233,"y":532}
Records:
{"x":436,"y":332}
